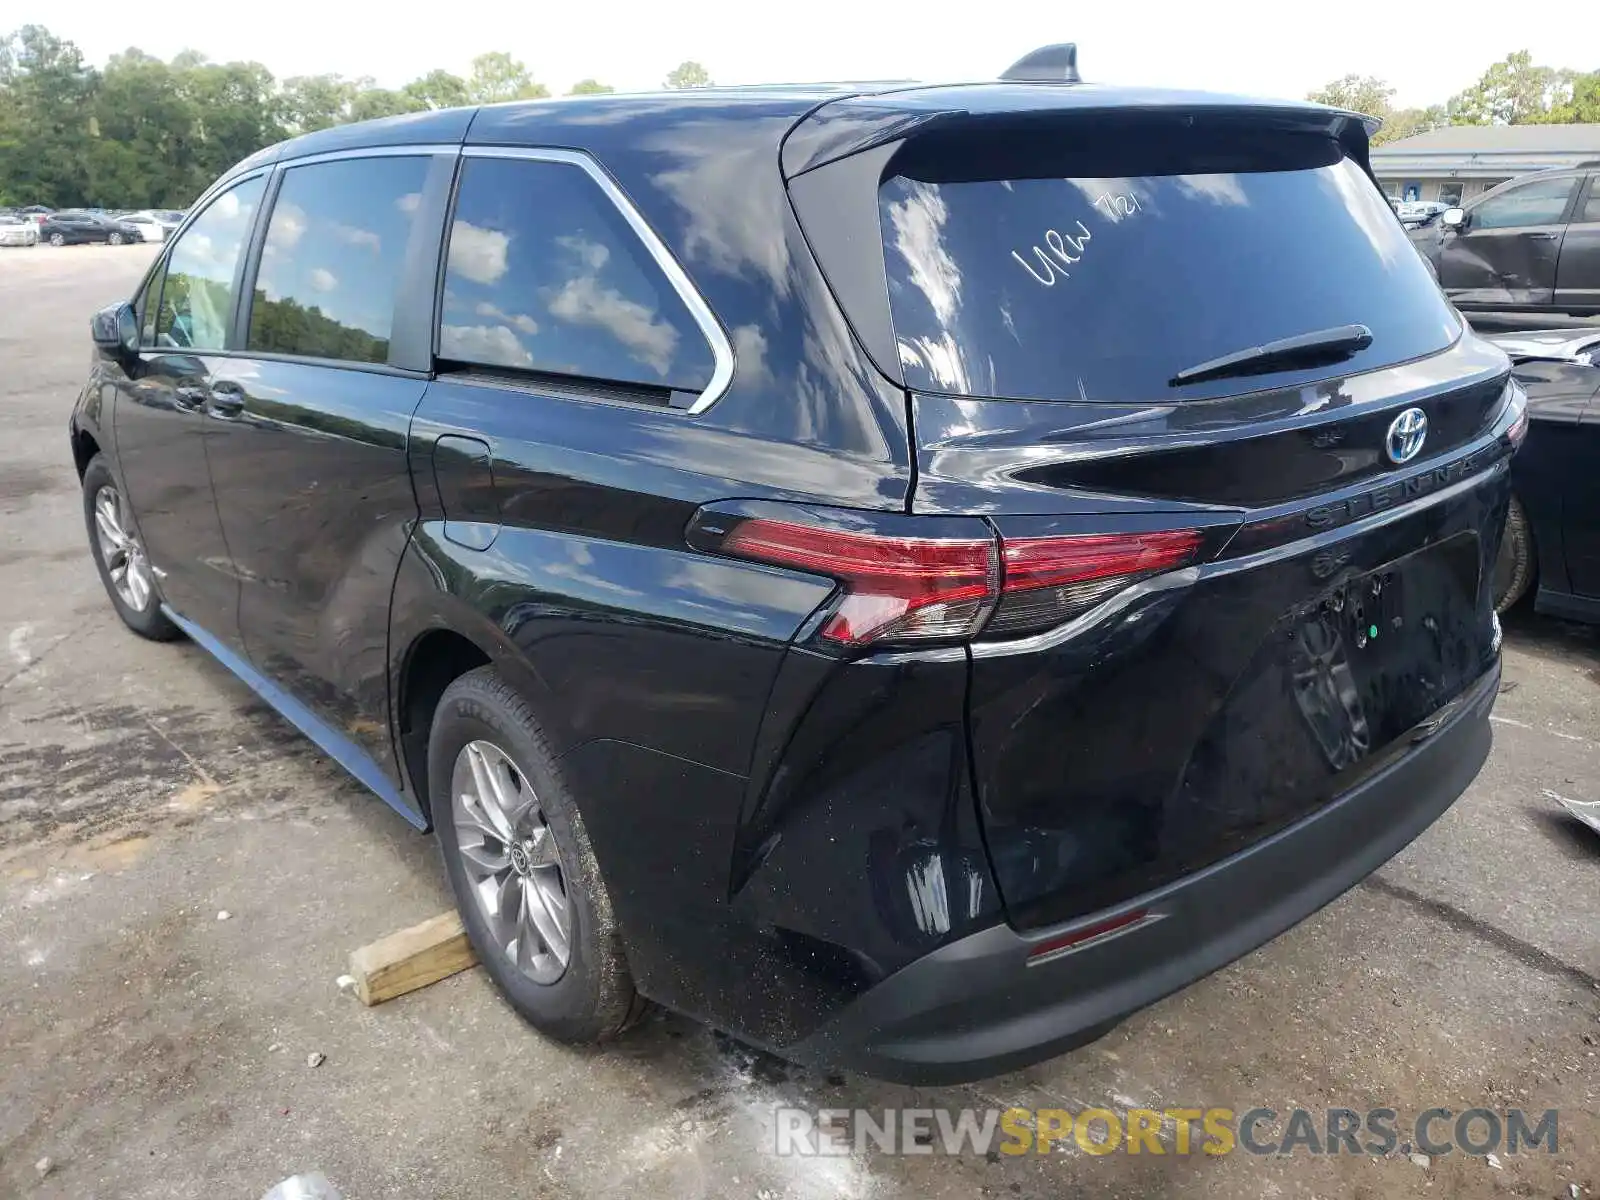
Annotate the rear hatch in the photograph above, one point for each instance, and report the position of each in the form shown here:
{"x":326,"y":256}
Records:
{"x":1198,"y":324}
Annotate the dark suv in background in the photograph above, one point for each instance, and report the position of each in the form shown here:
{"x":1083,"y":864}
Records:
{"x":908,"y":575}
{"x":1530,"y":245}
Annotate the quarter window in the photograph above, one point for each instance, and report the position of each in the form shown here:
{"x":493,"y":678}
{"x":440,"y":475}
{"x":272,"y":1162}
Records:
{"x":197,"y":296}
{"x":1539,"y":203}
{"x":333,"y":257}
{"x":545,"y":274}
{"x":1591,"y":208}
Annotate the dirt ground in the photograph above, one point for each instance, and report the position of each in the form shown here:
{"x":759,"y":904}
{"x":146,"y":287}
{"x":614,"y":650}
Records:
{"x":151,"y":1049}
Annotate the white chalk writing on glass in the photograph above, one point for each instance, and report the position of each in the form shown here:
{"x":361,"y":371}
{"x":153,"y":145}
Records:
{"x":1062,"y":250}
{"x":1058,"y":245}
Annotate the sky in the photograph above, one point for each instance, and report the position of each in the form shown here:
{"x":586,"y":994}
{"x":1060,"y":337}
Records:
{"x":1276,"y":48}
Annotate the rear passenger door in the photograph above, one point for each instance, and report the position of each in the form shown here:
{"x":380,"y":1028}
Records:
{"x":1506,"y":252}
{"x":1578,"y":274}
{"x":308,"y":425}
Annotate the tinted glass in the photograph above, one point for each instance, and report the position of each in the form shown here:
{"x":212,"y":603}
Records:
{"x":331,"y":263}
{"x":197,"y":298}
{"x":1539,"y":203}
{"x":545,"y":274}
{"x":1103,"y":285}
{"x":1591,"y":207}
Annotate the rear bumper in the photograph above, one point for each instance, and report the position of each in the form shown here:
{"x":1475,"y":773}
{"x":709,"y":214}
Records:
{"x":975,"y":1007}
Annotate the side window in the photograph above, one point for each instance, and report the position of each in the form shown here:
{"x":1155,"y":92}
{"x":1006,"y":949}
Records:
{"x":197,"y":298}
{"x":333,"y":256}
{"x":545,"y":274}
{"x":149,"y":303}
{"x":1539,"y":203}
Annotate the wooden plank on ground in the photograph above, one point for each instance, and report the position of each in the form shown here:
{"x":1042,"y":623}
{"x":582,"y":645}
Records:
{"x":411,"y":959}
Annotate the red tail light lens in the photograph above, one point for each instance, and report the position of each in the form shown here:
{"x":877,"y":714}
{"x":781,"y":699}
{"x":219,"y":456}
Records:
{"x":918,"y":589}
{"x":1049,"y":580}
{"x":897,"y":587}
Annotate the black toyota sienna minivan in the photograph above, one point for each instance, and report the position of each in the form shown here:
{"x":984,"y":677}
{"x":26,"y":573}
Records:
{"x":908,"y":575}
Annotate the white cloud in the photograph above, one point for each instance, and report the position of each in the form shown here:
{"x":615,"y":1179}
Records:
{"x":288,"y":226}
{"x":918,"y":222}
{"x":521,"y":320}
{"x":322,"y":279}
{"x":409,"y":202}
{"x":492,"y":345}
{"x":582,"y":301}
{"x":592,"y":254}
{"x":352,"y":235}
{"x":477,"y":253}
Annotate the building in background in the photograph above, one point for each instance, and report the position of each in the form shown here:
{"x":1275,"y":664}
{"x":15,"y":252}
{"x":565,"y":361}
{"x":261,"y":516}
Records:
{"x":1462,"y":161}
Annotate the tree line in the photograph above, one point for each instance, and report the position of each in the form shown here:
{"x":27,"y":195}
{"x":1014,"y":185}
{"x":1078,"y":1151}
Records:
{"x":143,"y":133}
{"x":1514,"y":91}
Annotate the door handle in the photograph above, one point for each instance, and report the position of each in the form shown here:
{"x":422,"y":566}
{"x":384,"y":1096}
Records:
{"x":226,"y":399}
{"x":1543,"y":237}
{"x":189,"y":398}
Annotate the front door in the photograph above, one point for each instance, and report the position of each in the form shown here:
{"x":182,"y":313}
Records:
{"x":308,"y":427}
{"x":1506,"y":252}
{"x":1578,"y":273}
{"x":186,"y":316}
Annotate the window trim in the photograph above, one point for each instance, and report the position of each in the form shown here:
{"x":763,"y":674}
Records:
{"x":710,"y":328}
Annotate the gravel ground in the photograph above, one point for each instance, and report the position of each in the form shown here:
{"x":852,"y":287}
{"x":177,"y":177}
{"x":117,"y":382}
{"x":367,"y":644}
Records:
{"x":150,"y":1049}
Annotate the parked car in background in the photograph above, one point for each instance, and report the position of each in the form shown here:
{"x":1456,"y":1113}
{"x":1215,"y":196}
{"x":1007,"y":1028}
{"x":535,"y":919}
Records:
{"x":150,"y":227}
{"x":73,"y":228}
{"x":1552,"y":542}
{"x":869,"y":608}
{"x":1530,"y":245}
{"x":18,"y":231}
{"x":1417,"y":213}
{"x":35,"y":213}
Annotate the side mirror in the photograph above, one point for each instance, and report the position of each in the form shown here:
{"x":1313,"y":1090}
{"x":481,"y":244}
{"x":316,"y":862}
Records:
{"x":115,"y":329}
{"x":1453,"y":218}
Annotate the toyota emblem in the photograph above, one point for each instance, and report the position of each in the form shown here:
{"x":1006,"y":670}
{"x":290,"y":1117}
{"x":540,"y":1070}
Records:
{"x":1406,"y":434}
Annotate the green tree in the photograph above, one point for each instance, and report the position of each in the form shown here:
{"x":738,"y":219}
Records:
{"x":689,"y":74}
{"x":1358,"y":93}
{"x":1582,"y":105}
{"x":46,"y":119}
{"x":373,"y":102}
{"x":1408,"y":122}
{"x":496,"y":76}
{"x":590,"y":87}
{"x":312,"y":102}
{"x":1514,"y":91}
{"x":438,"y":89}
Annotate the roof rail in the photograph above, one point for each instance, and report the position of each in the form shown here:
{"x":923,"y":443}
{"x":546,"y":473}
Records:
{"x":1048,"y":64}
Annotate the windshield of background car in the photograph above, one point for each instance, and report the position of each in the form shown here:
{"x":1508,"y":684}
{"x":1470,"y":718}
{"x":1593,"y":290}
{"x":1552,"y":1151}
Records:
{"x":1027,"y":269}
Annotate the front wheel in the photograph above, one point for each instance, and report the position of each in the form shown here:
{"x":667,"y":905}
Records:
{"x":57,"y":240}
{"x":520,"y":864}
{"x":1515,"y":566}
{"x":115,"y":239}
{"x":124,"y":569}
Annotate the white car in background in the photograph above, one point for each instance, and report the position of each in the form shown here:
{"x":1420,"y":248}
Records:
{"x":151,"y":227}
{"x":18,"y":231}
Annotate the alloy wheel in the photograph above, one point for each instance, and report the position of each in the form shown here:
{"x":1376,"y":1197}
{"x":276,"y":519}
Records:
{"x":512,"y":862}
{"x":115,"y":239}
{"x":120,"y":550}
{"x":57,"y":240}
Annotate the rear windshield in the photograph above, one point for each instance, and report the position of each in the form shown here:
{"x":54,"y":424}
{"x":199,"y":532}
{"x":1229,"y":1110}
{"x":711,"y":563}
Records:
{"x":1102,"y":283}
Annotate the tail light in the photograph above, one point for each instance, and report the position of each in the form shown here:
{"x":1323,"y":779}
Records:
{"x":900,"y":588}
{"x":895,"y":587}
{"x":1048,"y":580}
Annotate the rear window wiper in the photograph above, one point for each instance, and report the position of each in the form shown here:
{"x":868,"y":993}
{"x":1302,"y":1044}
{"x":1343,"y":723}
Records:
{"x":1304,"y":349}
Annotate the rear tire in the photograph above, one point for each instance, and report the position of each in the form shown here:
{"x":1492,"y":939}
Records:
{"x":1514,"y":568}
{"x":119,"y":556}
{"x":57,"y":240}
{"x":574,"y":986}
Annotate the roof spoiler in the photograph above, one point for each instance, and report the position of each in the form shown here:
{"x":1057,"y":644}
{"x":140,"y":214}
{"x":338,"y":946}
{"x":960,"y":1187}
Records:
{"x":1048,"y":64}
